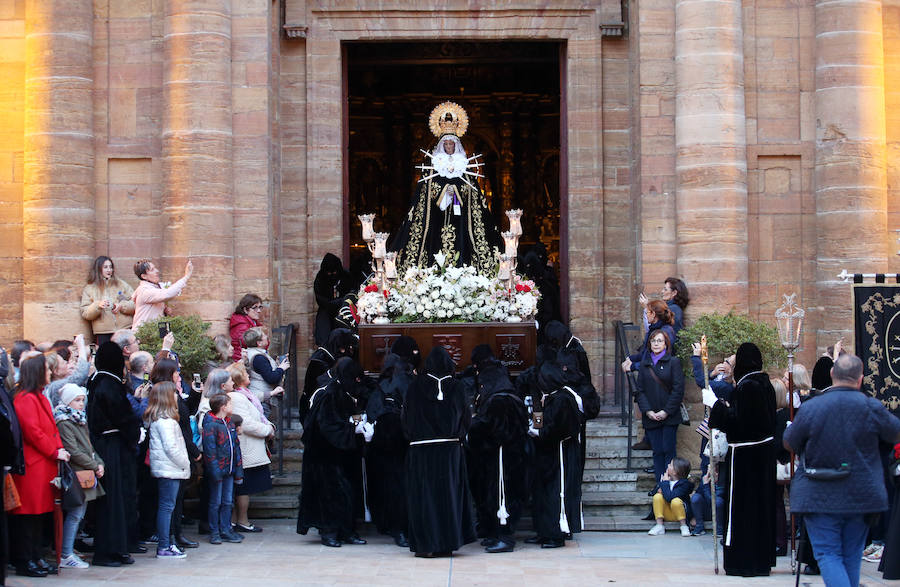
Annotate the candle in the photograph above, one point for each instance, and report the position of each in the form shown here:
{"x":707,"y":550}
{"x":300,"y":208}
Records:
{"x":390,"y":265}
{"x":511,"y":241}
{"x":368,"y":230}
{"x":380,"y":242}
{"x":515,"y":221}
{"x":505,"y":267}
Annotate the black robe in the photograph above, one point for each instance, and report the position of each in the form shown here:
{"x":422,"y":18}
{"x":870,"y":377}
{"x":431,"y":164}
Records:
{"x":428,"y":230}
{"x":749,"y":475}
{"x":386,"y":454}
{"x":561,"y":428}
{"x":321,"y":361}
{"x":439,"y":503}
{"x":331,"y":458}
{"x":330,"y":286}
{"x":500,"y":423}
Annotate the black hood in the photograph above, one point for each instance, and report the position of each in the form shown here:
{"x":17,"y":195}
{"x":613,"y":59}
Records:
{"x":821,"y":375}
{"x":481,"y":355}
{"x":346,"y":372}
{"x":110,"y":359}
{"x":341,"y":338}
{"x":557,"y":334}
{"x":568,"y":362}
{"x":747,"y":360}
{"x":407,"y":348}
{"x":439,"y":363}
{"x":550,"y":377}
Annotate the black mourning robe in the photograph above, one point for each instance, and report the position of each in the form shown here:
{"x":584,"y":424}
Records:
{"x":749,"y":475}
{"x":439,"y":504}
{"x":386,"y":453}
{"x":500,"y":424}
{"x":330,"y":286}
{"x":558,"y":335}
{"x":331,"y":463}
{"x":428,"y":230}
{"x":562,"y":425}
{"x":321,"y":361}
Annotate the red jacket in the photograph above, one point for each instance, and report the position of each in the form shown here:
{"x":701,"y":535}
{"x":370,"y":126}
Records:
{"x":238,"y":325}
{"x":41,"y":439}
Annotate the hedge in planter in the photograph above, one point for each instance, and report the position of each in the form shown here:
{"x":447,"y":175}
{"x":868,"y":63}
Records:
{"x":193,"y":347}
{"x":724,"y":334}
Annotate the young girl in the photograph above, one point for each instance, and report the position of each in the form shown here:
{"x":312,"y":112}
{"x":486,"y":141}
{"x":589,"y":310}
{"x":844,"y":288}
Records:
{"x":73,"y":431}
{"x":672,"y":498}
{"x":169,"y":461}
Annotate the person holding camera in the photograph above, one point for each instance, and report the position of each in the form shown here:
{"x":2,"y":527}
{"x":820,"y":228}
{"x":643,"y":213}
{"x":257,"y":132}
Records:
{"x":150,"y":297}
{"x":106,"y":300}
{"x":265,"y":373}
{"x":840,"y":481}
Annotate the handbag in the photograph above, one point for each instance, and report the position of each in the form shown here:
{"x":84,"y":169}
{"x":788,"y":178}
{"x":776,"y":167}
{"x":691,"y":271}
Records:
{"x":87,"y":479}
{"x":683,"y":411}
{"x":72,"y":493}
{"x":11,"y":499}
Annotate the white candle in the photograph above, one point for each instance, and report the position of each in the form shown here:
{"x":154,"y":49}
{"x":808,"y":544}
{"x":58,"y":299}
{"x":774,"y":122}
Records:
{"x":505,"y":263}
{"x":390,"y":265}
{"x":511,"y":242}
{"x":380,"y":242}
{"x":368,"y":230}
{"x":515,"y":221}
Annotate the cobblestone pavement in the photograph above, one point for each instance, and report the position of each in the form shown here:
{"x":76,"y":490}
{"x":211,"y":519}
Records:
{"x":278,"y":556}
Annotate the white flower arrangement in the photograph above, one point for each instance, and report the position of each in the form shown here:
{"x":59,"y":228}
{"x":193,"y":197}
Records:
{"x":449,"y":294}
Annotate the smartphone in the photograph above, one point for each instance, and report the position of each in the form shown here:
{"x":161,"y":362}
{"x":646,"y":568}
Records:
{"x":147,"y":377}
{"x":163,"y":329}
{"x":197,"y":380}
{"x":281,"y":358}
{"x":93,"y":347}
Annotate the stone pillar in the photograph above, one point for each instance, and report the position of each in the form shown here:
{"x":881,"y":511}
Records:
{"x":197,"y":156}
{"x":58,"y":195}
{"x":711,"y":160}
{"x":850,"y":169}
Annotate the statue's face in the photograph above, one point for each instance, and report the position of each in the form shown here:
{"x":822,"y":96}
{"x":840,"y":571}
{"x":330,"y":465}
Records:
{"x":449,"y":147}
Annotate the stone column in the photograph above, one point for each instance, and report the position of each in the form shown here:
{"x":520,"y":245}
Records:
{"x":711,"y":160}
{"x":850,"y":169}
{"x":58,"y":195}
{"x":197,"y":156}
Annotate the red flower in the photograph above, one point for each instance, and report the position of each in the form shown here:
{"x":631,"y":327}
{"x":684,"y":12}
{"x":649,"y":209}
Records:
{"x":520,"y":287}
{"x":526,"y":288}
{"x":370,"y":288}
{"x":897,"y":451}
{"x":385,"y":294}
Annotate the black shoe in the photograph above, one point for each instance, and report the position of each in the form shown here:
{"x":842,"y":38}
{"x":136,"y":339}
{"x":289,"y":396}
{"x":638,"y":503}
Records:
{"x":353,"y":539}
{"x":106,"y":562}
{"x":126,"y":559}
{"x":400,"y":540}
{"x":534,"y":540}
{"x":246,"y":529}
{"x":51,"y":568}
{"x":183,"y":541}
{"x":137,"y":549}
{"x":781,"y":551}
{"x":559,"y":543}
{"x":500,"y":546}
{"x":82,"y":546}
{"x":215,"y":539}
{"x":808,"y":570}
{"x":424,"y":555}
{"x":202,"y":528}
{"x":332,"y":542}
{"x":489,"y":542}
{"x":650,"y":470}
{"x":30,"y":569}
{"x":642,"y":445}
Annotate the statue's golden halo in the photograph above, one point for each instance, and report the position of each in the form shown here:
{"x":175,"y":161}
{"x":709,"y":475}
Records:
{"x":458,"y":124}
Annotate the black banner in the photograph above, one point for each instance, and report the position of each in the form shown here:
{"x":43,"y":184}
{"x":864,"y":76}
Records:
{"x":877,"y":334}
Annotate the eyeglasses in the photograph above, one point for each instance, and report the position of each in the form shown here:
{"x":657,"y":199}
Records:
{"x":135,"y":341}
{"x":256,"y":307}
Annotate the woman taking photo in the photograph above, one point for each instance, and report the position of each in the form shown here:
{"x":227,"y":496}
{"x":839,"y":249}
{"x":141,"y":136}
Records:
{"x":43,"y":448}
{"x":661,"y":392}
{"x":265,"y":374}
{"x":106,"y":300}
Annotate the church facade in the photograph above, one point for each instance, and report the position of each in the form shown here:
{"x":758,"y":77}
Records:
{"x":746,"y":147}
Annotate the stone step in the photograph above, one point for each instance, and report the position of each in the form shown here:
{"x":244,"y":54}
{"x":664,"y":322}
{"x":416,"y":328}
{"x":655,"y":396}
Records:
{"x":274,"y":506}
{"x":638,"y":463}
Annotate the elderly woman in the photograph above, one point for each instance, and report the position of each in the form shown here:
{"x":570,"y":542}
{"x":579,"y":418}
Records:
{"x":150,"y":297}
{"x":265,"y":374}
{"x":247,"y":315}
{"x":748,"y":419}
{"x":43,"y":448}
{"x":253,"y":434}
{"x":106,"y":300}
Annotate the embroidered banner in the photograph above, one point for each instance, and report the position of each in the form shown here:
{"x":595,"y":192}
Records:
{"x":877,"y":334}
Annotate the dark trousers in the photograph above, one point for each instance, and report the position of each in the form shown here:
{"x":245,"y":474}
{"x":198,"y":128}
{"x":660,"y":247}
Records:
{"x":175,"y":525}
{"x":28,"y":532}
{"x":662,"y":440}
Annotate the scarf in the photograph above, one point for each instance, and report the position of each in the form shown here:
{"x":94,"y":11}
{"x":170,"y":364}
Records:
{"x":61,"y":412}
{"x":655,"y":357}
{"x":253,"y":399}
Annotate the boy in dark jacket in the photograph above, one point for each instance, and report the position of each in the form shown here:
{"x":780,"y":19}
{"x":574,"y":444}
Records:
{"x":672,"y":501}
{"x":222,"y":467}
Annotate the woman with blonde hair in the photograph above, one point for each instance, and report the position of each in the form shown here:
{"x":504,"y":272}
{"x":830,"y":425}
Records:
{"x":106,"y":300}
{"x":253,"y":434}
{"x":169,"y":461}
{"x":782,"y":458}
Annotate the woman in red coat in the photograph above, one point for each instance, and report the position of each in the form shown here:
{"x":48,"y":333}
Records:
{"x":247,"y":315}
{"x":42,"y":447}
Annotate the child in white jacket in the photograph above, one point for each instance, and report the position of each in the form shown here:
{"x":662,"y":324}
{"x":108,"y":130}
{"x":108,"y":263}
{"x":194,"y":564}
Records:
{"x":169,"y":461}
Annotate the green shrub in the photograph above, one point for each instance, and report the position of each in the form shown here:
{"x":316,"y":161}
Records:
{"x":724,"y":334}
{"x":193,"y":347}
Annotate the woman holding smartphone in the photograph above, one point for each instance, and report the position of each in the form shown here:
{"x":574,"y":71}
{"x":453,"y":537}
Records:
{"x":106,"y":300}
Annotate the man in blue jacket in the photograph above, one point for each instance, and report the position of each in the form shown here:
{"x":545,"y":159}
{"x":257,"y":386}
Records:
{"x":840,"y":478}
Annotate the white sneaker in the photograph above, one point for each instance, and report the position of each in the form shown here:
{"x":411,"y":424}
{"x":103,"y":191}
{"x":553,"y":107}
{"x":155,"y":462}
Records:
{"x":657,"y":530}
{"x":875,"y":555}
{"x":73,"y":561}
{"x":685,"y":531}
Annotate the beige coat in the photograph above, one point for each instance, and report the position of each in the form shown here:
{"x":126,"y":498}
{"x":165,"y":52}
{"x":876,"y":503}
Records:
{"x":103,"y":321}
{"x":254,"y":431}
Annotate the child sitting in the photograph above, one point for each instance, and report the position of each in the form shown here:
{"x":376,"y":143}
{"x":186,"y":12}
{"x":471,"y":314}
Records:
{"x":671,"y":500}
{"x":222,"y":467}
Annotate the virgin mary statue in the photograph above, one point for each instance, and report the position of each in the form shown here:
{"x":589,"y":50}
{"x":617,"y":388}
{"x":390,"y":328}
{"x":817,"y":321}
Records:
{"x":448,"y":212}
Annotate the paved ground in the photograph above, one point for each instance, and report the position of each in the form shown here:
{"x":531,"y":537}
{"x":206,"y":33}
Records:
{"x":278,"y":556}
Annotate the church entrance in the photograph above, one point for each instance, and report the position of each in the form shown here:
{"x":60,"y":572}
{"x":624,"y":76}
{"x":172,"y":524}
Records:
{"x":511,"y":92}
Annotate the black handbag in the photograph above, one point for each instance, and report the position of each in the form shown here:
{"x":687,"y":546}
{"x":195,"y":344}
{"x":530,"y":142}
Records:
{"x":72,"y":493}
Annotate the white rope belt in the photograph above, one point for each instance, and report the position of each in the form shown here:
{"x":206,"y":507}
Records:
{"x":733,"y":446}
{"x":502,"y":512}
{"x":433,"y":441}
{"x":440,"y":393}
{"x":563,"y":520}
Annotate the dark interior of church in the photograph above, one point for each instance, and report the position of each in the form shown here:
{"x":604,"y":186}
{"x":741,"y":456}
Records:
{"x":511,"y":92}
